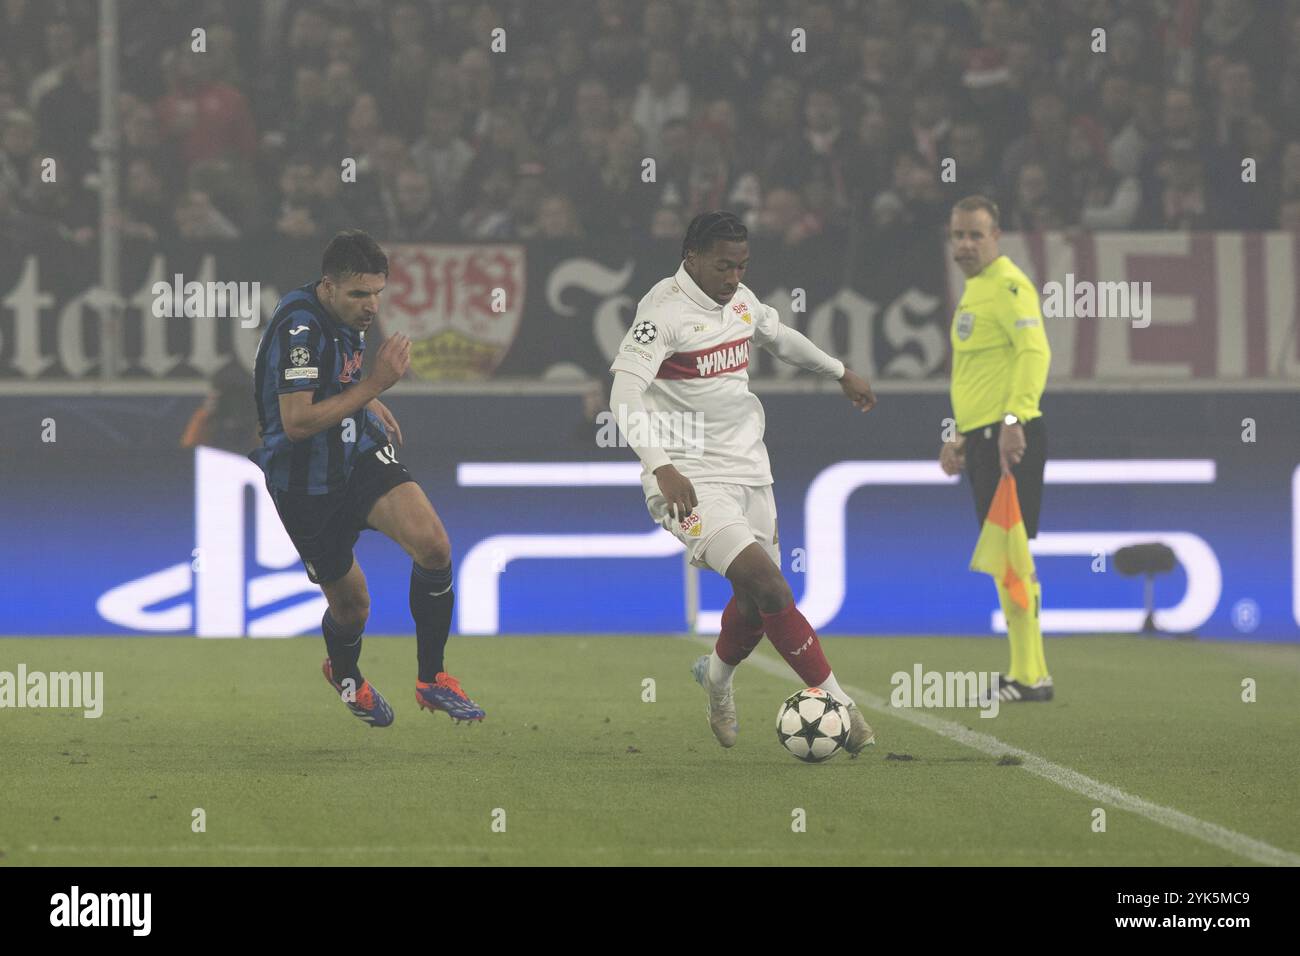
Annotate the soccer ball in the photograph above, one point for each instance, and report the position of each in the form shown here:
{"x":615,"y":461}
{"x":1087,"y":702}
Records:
{"x":812,"y":725}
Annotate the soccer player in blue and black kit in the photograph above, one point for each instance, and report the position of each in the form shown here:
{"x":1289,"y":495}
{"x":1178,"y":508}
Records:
{"x":332,"y":472}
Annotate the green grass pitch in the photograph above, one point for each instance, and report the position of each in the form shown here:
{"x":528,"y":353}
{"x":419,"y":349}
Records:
{"x":586,"y":772}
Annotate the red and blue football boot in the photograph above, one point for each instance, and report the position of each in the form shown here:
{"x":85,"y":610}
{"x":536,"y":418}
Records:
{"x":369,"y":704}
{"x":444,"y":694}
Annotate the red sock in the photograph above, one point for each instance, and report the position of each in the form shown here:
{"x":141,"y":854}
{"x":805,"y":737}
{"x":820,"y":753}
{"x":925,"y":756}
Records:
{"x":738,"y":637}
{"x":792,"y":635}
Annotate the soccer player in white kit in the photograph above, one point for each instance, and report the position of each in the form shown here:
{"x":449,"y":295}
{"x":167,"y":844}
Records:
{"x":681,"y":397}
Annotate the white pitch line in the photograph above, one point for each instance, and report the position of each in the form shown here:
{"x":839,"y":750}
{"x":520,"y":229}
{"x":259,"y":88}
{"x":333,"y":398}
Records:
{"x":1064,"y":777}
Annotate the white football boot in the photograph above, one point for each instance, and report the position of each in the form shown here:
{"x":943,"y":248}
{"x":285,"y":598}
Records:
{"x":722,"y":704}
{"x":860,"y":733}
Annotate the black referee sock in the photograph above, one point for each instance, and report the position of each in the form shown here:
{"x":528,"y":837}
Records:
{"x":344,"y":648}
{"x":431,"y":602}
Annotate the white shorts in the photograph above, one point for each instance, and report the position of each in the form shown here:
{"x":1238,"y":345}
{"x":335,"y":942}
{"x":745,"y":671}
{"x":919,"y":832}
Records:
{"x":727,"y":520}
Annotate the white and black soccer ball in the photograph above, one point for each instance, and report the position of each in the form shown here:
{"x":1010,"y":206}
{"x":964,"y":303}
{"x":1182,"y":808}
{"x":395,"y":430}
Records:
{"x":644,"y":332}
{"x":812,"y":725}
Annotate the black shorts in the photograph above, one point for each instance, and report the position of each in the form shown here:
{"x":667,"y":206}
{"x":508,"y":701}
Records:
{"x":984,"y":468}
{"x":324,"y":528}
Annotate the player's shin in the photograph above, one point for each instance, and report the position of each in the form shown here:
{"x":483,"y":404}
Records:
{"x":432,"y":600}
{"x":792,"y":635}
{"x":344,"y":649}
{"x":736,"y":641}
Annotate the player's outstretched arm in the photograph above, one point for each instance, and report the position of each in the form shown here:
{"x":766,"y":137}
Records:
{"x":794,"y":348}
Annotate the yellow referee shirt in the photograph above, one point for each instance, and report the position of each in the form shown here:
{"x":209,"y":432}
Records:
{"x":999,"y":348}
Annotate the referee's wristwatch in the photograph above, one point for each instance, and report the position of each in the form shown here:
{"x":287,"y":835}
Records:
{"x":1009,"y":419}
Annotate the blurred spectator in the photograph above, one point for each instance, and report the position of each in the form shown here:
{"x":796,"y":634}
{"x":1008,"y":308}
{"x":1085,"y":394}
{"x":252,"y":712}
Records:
{"x":1047,"y":140}
{"x":713,"y":182}
{"x":615,"y":49}
{"x":1104,"y":198}
{"x":197,"y":219}
{"x":17,"y":147}
{"x":226,"y":419}
{"x":309,"y":122}
{"x":557,"y":219}
{"x":372,"y":201}
{"x":362,"y":127}
{"x":489,"y":217}
{"x":206,"y":118}
{"x":667,"y":223}
{"x":1289,"y":81}
{"x":65,"y":201}
{"x":1184,"y":91}
{"x":60,"y":54}
{"x":967,"y":145}
{"x":1181,"y":126}
{"x":18,"y":226}
{"x":618,"y":201}
{"x":783,"y":215}
{"x":507,"y":143}
{"x":20,"y":36}
{"x":1234,"y":103}
{"x":914,"y":200}
{"x":477,"y":90}
{"x":873,"y":151}
{"x":1036,"y":204}
{"x":146,"y":202}
{"x":574,"y":147}
{"x":1241,"y":30}
{"x":1238,"y":201}
{"x":1079,"y":71}
{"x":525,"y":204}
{"x":409,"y":67}
{"x":443,"y":156}
{"x":68,"y":115}
{"x":418,"y":218}
{"x":778,"y":109}
{"x":822,"y":151}
{"x":538,"y":100}
{"x":663,"y":96}
{"x":1182,"y":202}
{"x":931,"y":121}
{"x":724,"y":53}
{"x":1132,"y":142}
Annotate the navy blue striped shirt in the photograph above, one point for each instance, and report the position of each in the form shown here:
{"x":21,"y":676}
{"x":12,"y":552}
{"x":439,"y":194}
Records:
{"x":303,"y":349}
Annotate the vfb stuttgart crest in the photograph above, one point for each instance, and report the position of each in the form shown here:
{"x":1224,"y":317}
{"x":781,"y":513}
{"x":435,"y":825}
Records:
{"x":965,"y":325}
{"x":692,"y":525}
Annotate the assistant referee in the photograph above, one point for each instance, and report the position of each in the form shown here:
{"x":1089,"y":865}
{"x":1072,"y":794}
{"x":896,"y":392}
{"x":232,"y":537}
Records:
{"x":1000,"y":359}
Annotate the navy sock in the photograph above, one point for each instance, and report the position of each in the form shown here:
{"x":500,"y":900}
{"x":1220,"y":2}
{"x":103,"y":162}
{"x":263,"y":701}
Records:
{"x":344,"y":649}
{"x":431,"y":602}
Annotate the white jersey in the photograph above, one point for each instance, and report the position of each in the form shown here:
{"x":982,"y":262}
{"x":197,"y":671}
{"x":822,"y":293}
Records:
{"x":694,"y":355}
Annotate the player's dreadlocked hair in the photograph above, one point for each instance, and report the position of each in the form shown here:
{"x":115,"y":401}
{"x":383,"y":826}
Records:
{"x":709,"y":227}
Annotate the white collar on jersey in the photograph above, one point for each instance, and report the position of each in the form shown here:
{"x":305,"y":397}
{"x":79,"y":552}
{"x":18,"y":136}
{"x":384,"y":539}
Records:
{"x":693,"y":291}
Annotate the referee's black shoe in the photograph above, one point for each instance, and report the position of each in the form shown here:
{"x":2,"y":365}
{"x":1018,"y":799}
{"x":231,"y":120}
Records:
{"x":1014,"y":692}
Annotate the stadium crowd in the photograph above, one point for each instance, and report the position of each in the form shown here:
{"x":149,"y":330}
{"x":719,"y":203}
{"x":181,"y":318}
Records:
{"x":548,"y":139}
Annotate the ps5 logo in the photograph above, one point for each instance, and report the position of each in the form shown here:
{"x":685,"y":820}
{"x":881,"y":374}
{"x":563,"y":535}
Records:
{"x":825,"y":521}
{"x":222,"y":602}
